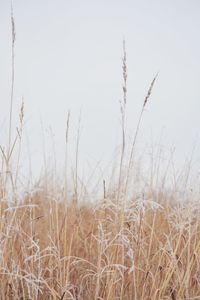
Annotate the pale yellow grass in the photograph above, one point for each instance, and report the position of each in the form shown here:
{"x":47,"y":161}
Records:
{"x":51,"y":251}
{"x":144,"y":247}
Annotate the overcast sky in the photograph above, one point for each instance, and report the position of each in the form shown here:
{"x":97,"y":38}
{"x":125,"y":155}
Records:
{"x":68,"y":56}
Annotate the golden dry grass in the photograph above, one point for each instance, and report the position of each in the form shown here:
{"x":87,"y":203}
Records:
{"x":123,"y":247}
{"x":149,"y":249}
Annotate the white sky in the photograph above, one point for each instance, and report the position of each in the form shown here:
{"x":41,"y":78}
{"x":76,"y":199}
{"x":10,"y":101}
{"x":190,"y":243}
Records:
{"x":68,"y":56}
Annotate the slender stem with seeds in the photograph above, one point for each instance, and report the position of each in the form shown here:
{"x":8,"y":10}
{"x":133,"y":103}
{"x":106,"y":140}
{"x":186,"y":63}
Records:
{"x":137,"y":131}
{"x":123,"y":118}
{"x":12,"y":81}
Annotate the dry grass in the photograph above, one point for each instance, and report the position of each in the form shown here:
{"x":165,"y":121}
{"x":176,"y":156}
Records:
{"x":130,"y":245}
{"x":53,"y":251}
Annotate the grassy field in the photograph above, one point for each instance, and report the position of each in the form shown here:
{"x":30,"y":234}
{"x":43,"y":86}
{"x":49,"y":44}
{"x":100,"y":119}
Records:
{"x":129,"y":242}
{"x":146,"y":249}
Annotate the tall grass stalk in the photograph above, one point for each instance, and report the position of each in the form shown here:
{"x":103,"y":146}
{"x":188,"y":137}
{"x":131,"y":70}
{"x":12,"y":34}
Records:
{"x":130,"y":162}
{"x":123,"y":119}
{"x":12,"y":81}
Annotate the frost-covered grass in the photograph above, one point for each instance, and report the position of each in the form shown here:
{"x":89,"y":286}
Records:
{"x":146,"y":249}
{"x":135,"y":242}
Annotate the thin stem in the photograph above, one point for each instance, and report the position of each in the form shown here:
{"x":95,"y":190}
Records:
{"x":123,"y":117}
{"x":137,"y":131}
{"x":12,"y":80}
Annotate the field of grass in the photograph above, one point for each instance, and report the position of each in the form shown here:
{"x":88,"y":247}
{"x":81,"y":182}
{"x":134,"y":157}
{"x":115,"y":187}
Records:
{"x":128,"y":243}
{"x":146,"y":249}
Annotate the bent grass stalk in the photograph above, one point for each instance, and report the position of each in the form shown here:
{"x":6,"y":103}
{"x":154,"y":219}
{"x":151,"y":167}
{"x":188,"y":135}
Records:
{"x":130,"y":162}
